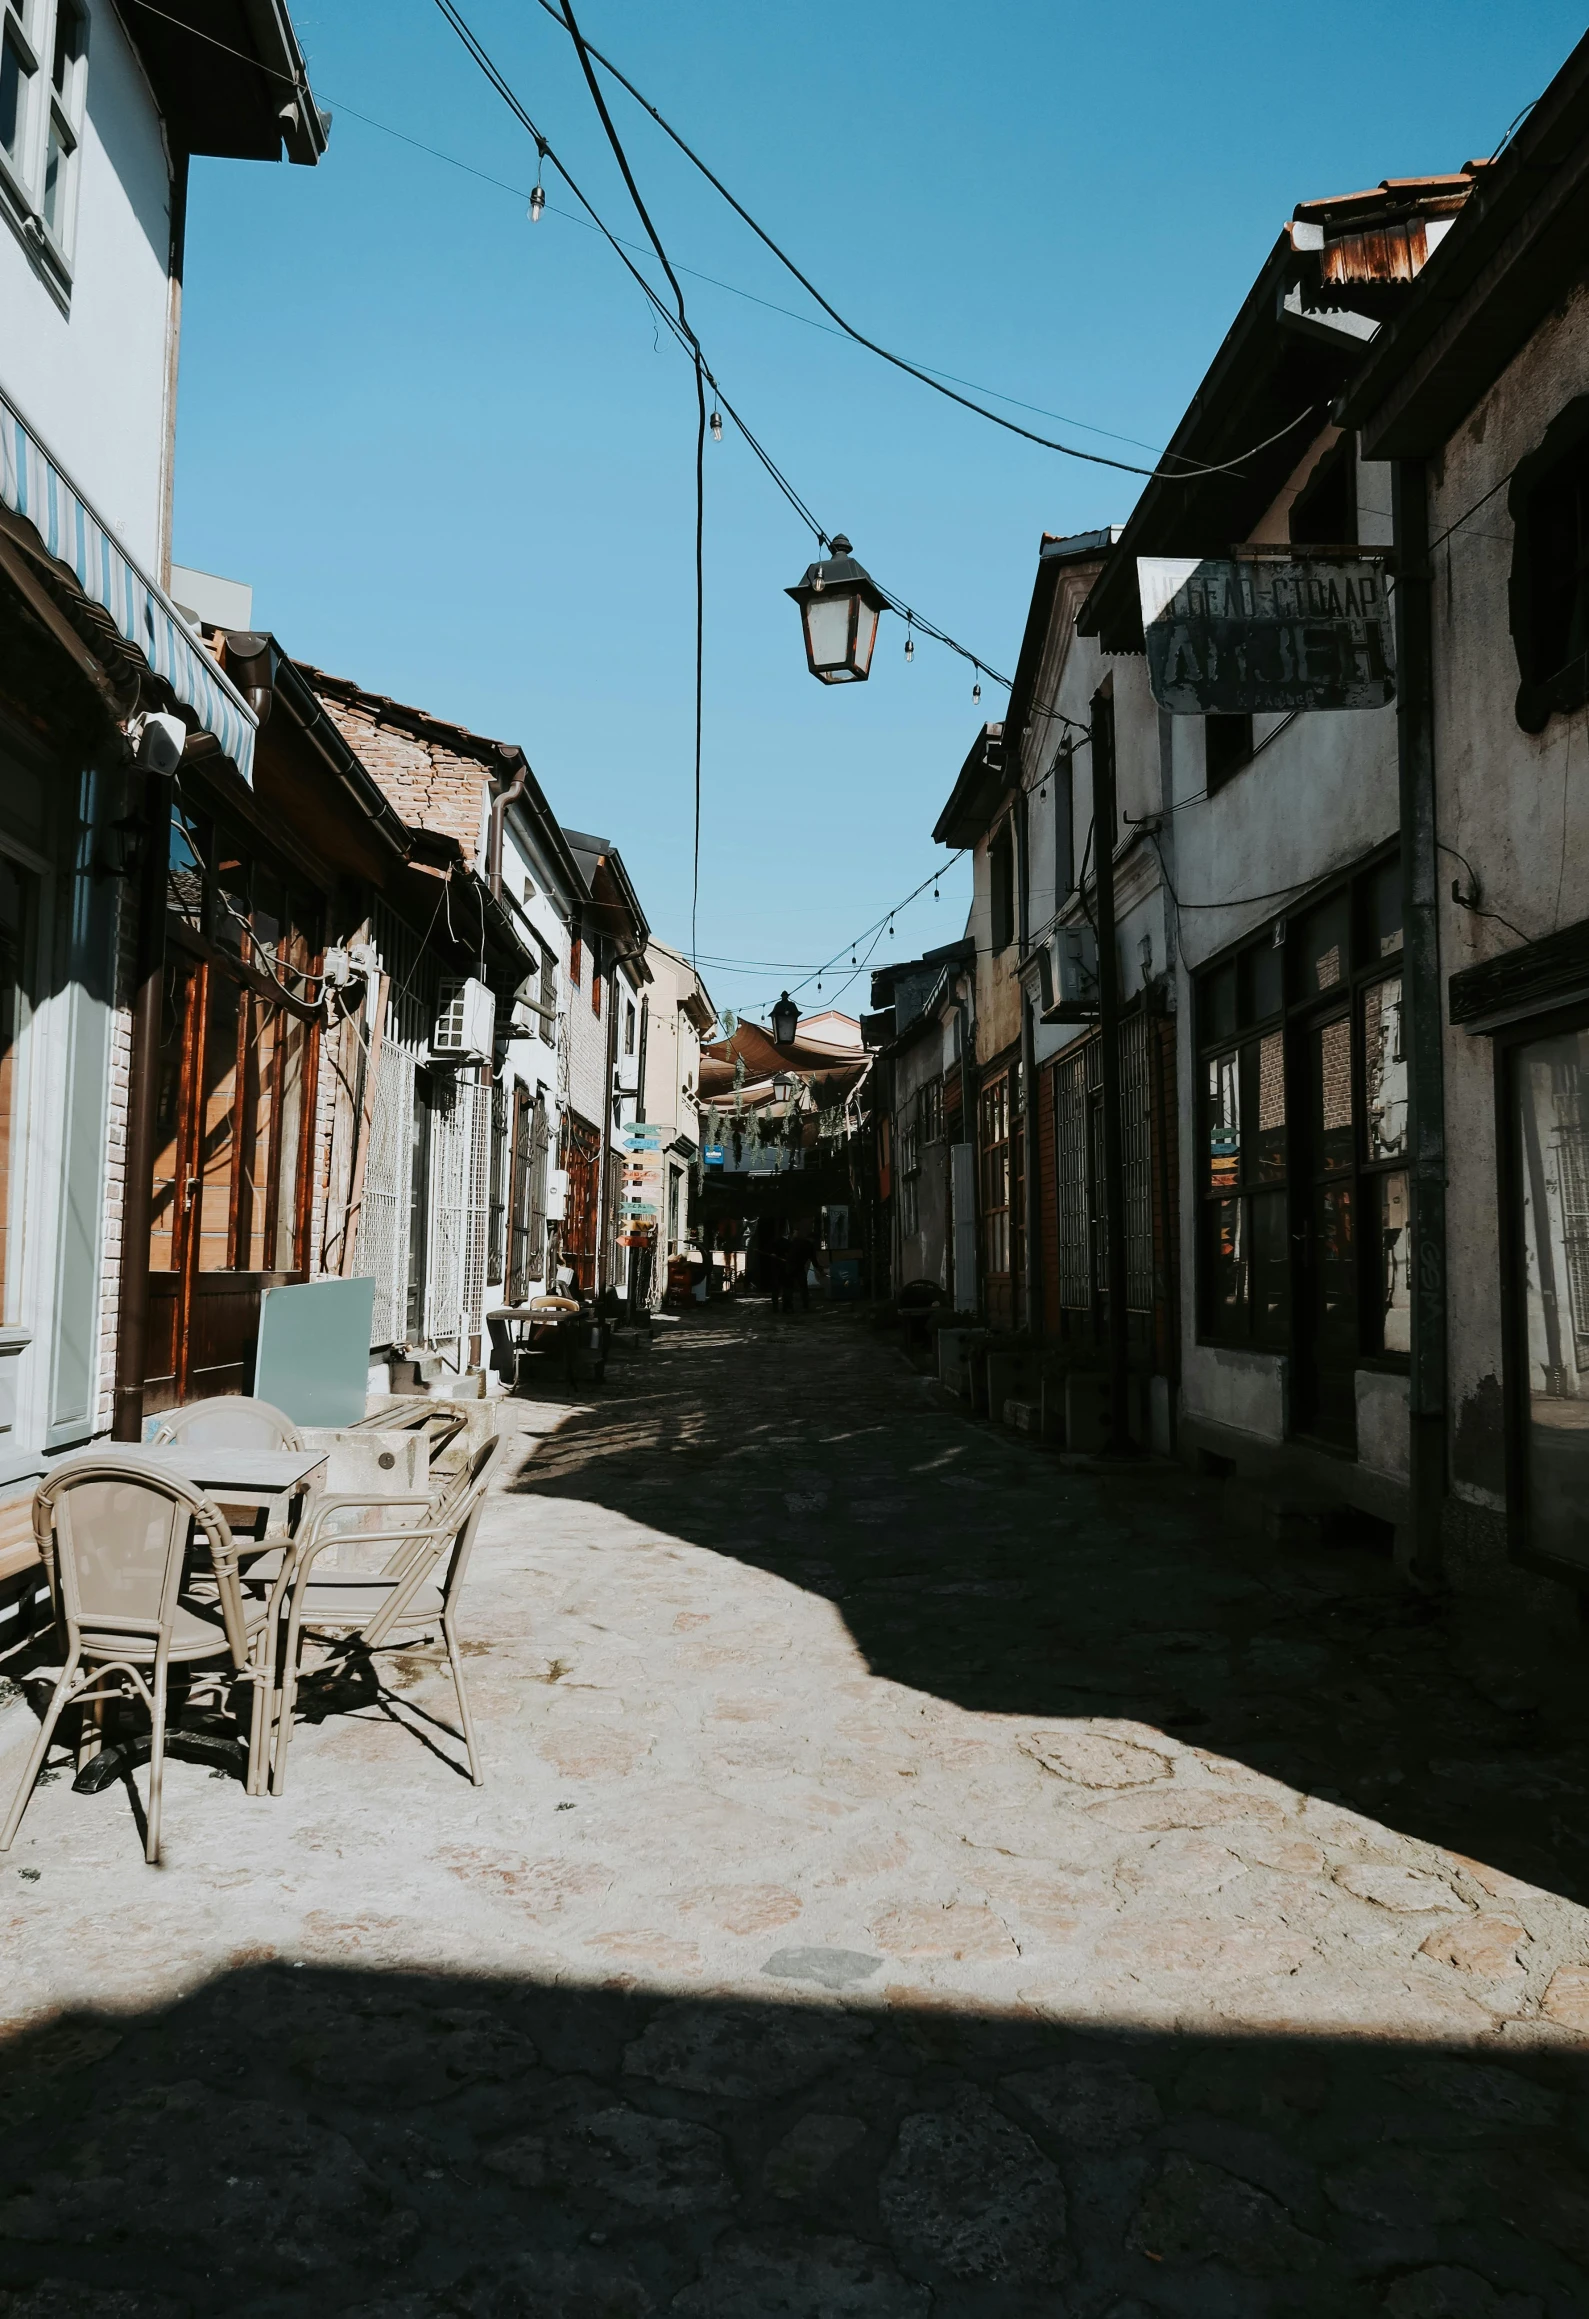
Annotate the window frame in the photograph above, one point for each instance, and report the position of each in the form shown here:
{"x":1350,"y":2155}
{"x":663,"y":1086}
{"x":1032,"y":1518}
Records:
{"x":1535,"y":486}
{"x":996,"y":1160}
{"x":1001,"y":886}
{"x":1511,"y":1042}
{"x":45,"y":221}
{"x":1296,"y":1018}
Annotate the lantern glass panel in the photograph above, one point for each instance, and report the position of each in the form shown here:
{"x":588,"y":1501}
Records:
{"x":828,"y":629}
{"x":865,"y":637}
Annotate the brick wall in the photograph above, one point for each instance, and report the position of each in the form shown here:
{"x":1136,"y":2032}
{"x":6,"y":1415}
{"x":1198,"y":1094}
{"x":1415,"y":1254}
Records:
{"x":431,"y":786}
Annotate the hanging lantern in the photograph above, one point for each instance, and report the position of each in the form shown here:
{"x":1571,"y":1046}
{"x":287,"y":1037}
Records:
{"x":839,"y":606}
{"x":785,"y":1022}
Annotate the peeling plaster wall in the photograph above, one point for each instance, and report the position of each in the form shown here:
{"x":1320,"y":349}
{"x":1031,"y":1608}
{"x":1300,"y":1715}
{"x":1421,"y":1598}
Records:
{"x":1516,"y":805}
{"x":1321,"y":795}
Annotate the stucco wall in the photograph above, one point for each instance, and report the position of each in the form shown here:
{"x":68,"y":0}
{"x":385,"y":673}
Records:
{"x":1515,"y":805}
{"x":1320,"y":794}
{"x":92,"y":380}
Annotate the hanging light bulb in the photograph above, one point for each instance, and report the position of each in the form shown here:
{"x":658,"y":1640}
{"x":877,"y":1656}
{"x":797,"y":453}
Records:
{"x":715,"y":422}
{"x":935,"y":894}
{"x":910,"y":643}
{"x":976,"y":690}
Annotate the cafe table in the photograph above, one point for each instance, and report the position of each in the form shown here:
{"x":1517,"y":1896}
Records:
{"x":272,"y":1481}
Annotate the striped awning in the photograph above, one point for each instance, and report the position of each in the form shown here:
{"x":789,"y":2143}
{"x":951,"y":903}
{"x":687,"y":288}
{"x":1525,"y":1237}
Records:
{"x":33,"y":487}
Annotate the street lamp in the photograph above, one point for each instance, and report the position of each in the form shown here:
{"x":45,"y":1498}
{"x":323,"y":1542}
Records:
{"x":785,"y":1022}
{"x":839,"y":603}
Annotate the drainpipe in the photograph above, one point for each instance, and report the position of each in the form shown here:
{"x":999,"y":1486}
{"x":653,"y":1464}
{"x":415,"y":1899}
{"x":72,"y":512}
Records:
{"x":1421,"y":999}
{"x":143,"y":1095}
{"x":499,"y":810}
{"x":1106,"y":822}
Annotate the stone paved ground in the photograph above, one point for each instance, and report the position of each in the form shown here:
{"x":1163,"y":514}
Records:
{"x":915,"y":1877}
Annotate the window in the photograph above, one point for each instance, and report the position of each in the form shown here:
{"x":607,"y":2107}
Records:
{"x":1303,"y":1193}
{"x":628,"y":1027}
{"x":1063,"y":780}
{"x":576,"y":962}
{"x":908,"y":1155}
{"x":548,"y":1019}
{"x":496,"y":1207}
{"x":17,"y":70}
{"x":1001,"y":888}
{"x":932,"y":1112}
{"x":526,"y":1201}
{"x":1324,"y":512}
{"x":41,"y":116}
{"x":1227,"y":747}
{"x":595,"y":982}
{"x":996,"y":1175}
{"x":1081,"y":1185}
{"x":1549,"y":502}
{"x":60,"y":146}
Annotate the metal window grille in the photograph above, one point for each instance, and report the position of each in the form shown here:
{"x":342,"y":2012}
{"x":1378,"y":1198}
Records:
{"x":1571,"y":1152}
{"x":459,"y":1172}
{"x":1070,"y":1141}
{"x":496,"y":1247}
{"x":382,"y":1249}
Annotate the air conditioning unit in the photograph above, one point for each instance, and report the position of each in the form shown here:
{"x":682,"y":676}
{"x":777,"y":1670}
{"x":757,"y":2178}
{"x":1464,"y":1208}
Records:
{"x":556,"y":1195}
{"x":626,"y":1075}
{"x":466,"y":1024}
{"x":1075,"y":976}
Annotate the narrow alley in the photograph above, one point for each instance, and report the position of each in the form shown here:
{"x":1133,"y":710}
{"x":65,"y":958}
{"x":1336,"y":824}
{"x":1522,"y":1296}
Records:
{"x":917,"y":1873}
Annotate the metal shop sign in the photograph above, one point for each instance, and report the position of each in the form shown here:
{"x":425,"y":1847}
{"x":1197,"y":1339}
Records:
{"x":1230,"y":635}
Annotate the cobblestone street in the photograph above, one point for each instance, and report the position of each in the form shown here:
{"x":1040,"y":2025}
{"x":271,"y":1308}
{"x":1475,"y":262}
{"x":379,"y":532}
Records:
{"x":917,"y":1874}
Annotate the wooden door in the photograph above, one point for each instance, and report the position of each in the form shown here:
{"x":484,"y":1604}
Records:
{"x":1324,"y":1377}
{"x":233,"y":1110}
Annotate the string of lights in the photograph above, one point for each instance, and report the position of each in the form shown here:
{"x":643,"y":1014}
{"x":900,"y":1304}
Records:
{"x":1187,"y":470}
{"x":655,"y":240}
{"x":690,"y":343}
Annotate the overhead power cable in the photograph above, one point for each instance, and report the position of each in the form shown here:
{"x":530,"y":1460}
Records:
{"x":655,"y":240}
{"x":1188,"y":471}
{"x":680,"y":329}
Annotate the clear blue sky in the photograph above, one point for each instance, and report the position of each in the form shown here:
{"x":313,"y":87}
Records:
{"x":454,"y":458}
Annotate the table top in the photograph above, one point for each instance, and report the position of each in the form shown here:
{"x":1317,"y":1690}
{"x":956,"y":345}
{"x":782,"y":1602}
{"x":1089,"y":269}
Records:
{"x":219,"y":1468}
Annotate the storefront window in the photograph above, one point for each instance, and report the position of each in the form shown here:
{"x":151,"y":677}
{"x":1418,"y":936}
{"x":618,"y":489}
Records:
{"x":1305,"y":1214}
{"x":1551,"y":1124}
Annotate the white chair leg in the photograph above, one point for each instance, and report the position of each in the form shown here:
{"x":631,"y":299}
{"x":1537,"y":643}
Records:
{"x":285,"y":1697}
{"x":157,"y":1763}
{"x":455,"y":1661}
{"x":40,"y":1749}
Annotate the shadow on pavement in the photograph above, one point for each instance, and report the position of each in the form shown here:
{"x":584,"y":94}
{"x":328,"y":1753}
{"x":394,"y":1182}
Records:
{"x":979,"y":1568}
{"x":287,"y":2142}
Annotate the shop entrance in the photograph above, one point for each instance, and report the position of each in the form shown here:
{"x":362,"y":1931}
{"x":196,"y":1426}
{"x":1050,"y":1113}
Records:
{"x":227,"y":1214}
